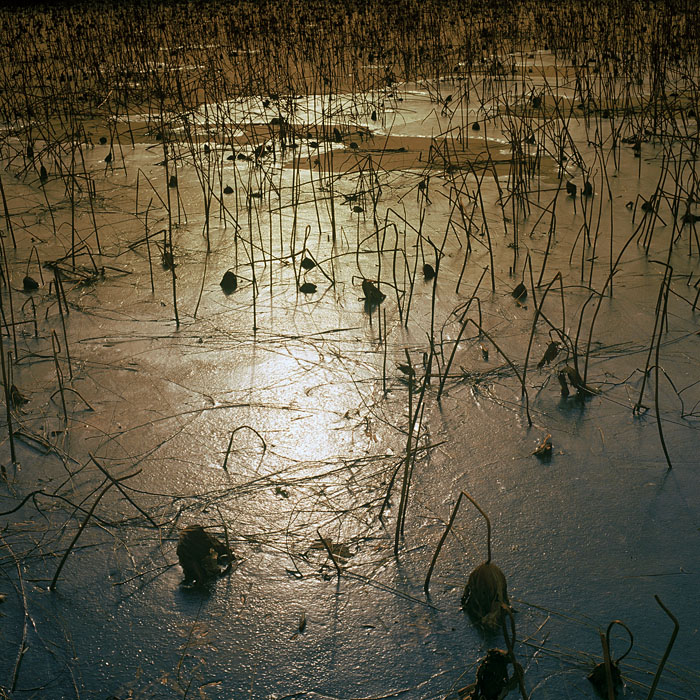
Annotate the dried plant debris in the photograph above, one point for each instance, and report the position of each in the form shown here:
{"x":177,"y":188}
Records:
{"x":484,"y":594}
{"x":549,"y":354}
{"x":599,"y":675}
{"x":17,"y":397}
{"x":29,"y":284}
{"x":406,"y":369}
{"x":574,"y":378}
{"x":307,"y":288}
{"x":337,"y":549}
{"x":229,"y":282}
{"x":544,"y":449}
{"x":372,"y":295}
{"x":202,"y":556}
{"x":167,"y":260}
{"x":598,"y":678}
{"x":493,"y":681}
{"x":520,"y":292}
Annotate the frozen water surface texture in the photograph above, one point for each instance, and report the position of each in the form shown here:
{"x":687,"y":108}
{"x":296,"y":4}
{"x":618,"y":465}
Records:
{"x":347,"y":344}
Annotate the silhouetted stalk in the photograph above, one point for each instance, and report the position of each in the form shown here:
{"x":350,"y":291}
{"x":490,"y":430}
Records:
{"x":538,"y":311}
{"x":59,"y":294}
{"x":116,"y":483}
{"x":7,"y":215}
{"x":113,"y":482}
{"x":10,"y":302}
{"x":463,"y":323}
{"x":8,"y":398}
{"x":669,"y":646}
{"x":426,"y":585}
{"x":656,"y":370}
{"x":59,"y":375}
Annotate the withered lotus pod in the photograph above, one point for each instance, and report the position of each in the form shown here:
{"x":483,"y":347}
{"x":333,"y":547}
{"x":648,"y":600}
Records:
{"x":229,"y":282}
{"x":201,"y":555}
{"x":492,"y":675}
{"x":485,"y":593}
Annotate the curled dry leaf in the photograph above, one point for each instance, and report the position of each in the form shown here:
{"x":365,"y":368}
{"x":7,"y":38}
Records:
{"x":520,"y":292}
{"x":544,"y":449}
{"x":549,"y":354}
{"x":492,"y":679}
{"x":406,"y":369}
{"x":576,"y":381}
{"x":484,"y":594}
{"x":599,"y":675}
{"x":372,"y":294}
{"x":18,"y":399}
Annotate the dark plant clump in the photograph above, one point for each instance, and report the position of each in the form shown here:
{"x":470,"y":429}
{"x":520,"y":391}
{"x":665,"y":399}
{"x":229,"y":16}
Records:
{"x":372,"y":294}
{"x":520,"y":292}
{"x":202,"y":556}
{"x":29,"y":284}
{"x":229,"y":282}
{"x":485,"y":594}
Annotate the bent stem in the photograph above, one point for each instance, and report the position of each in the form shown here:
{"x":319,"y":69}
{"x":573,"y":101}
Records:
{"x":627,"y":629}
{"x":669,"y":646}
{"x":608,"y":666}
{"x":426,"y":585}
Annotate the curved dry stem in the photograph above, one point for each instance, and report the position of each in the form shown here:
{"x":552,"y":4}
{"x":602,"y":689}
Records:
{"x":629,"y":632}
{"x":426,"y":585}
{"x":669,"y":646}
{"x":230,"y":443}
{"x":510,"y":645}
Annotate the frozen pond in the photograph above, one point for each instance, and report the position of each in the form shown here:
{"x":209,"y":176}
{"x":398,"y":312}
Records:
{"x":289,"y":419}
